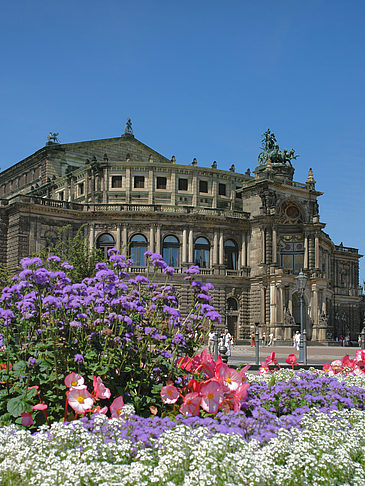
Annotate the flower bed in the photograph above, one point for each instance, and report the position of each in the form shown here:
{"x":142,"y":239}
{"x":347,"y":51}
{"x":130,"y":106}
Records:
{"x":252,"y":447}
{"x":99,"y":385}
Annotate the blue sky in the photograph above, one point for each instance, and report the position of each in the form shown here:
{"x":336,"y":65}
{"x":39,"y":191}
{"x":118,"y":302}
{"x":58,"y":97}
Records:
{"x":199,"y":79}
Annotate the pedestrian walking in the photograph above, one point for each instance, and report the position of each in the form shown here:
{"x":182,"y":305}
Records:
{"x":297,"y":340}
{"x":211,"y":341}
{"x":252,"y":336}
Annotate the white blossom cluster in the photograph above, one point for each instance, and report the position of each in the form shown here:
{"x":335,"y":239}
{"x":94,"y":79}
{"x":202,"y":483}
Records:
{"x":329,"y":451}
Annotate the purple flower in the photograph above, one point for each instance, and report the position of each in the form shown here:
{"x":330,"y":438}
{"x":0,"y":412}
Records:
{"x":53,"y":258}
{"x":79,"y":358}
{"x":32,"y":362}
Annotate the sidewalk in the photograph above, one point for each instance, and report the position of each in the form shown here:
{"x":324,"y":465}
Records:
{"x":316,"y":355}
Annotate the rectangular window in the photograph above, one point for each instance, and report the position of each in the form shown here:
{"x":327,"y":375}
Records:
{"x":183,"y":184}
{"x":61,"y":195}
{"x":116,"y":181}
{"x":161,"y":183}
{"x":81,"y":188}
{"x":138,"y":182}
{"x":222,"y":189}
{"x":203,"y":186}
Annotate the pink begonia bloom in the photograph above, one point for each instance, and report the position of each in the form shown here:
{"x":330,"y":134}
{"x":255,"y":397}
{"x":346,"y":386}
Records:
{"x":228,"y":377}
{"x":73,"y":380}
{"x":27,"y":419}
{"x":360,"y":355}
{"x":116,"y":407}
{"x":191,"y":404}
{"x":240,"y":396}
{"x":101,"y":391}
{"x":291,"y":359}
{"x":201,"y":362}
{"x":212,"y":396}
{"x":270,"y":359}
{"x":169,"y":394}
{"x":80,"y":400}
{"x":264,"y":369}
{"x":327,"y":367}
{"x":336,"y":366}
{"x":102,"y":411}
{"x":207,"y":364}
{"x":40,"y":406}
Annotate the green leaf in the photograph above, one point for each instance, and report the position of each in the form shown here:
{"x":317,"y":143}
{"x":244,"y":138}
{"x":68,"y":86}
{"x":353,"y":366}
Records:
{"x":20,"y":367}
{"x":16,"y":406}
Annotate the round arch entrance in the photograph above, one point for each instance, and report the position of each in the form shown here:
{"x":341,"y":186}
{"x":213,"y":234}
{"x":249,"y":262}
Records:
{"x":296,"y":315}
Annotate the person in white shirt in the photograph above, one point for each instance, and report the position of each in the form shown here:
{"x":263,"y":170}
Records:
{"x":211,"y":341}
{"x":297,"y":340}
{"x":228,"y":342}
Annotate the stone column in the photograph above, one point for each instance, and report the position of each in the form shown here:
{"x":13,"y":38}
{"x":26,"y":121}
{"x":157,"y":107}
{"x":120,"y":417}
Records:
{"x":173,"y":188}
{"x":215,"y":248}
{"x":158,"y":239}
{"x":191,"y":246}
{"x":244,"y":250}
{"x":105,"y":184}
{"x":152,"y":239}
{"x":195,"y":190}
{"x":184,"y":247}
{"x":215,"y":193}
{"x":305,"y":252}
{"x":221,"y":248}
{"x":125,"y":239}
{"x":92,"y":236}
{"x":263,"y":249}
{"x":128,"y":185}
{"x":274,"y":246}
{"x":118,"y":245}
{"x":316,"y":251}
{"x":151,"y":187}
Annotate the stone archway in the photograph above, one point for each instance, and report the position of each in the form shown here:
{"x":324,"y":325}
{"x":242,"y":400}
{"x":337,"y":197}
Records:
{"x":296,"y":315}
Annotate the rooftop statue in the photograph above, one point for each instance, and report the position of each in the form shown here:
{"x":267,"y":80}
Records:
{"x":272,"y":152}
{"x":52,"y":137}
{"x":128,"y":127}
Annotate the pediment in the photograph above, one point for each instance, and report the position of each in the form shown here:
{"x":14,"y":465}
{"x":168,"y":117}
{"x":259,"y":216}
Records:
{"x":116,"y":149}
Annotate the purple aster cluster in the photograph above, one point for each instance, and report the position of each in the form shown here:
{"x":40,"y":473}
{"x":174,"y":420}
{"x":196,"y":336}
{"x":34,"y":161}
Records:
{"x":124,"y":327}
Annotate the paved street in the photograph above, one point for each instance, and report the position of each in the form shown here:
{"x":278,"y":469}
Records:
{"x":317,"y":355}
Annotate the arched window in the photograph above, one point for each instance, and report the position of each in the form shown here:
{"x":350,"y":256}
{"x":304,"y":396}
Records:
{"x":231,"y":255}
{"x":105,"y":242}
{"x":291,"y":252}
{"x":232,"y":304}
{"x":201,"y":252}
{"x":170,"y":251}
{"x":138,"y":246}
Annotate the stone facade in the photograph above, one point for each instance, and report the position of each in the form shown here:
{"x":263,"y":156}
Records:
{"x":251,"y":234}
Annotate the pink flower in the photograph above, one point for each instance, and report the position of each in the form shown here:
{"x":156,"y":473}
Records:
{"x":211,"y":396}
{"x":100,"y":410}
{"x":264,"y":368}
{"x":360,"y":356}
{"x":191,"y":404}
{"x":101,"y":391}
{"x":169,"y":394}
{"x":27,"y":419}
{"x":228,"y":377}
{"x":240,"y":396}
{"x":40,"y":406}
{"x":116,"y":407}
{"x":80,"y":400}
{"x":336,"y":366}
{"x":73,"y":380}
{"x":291,"y":359}
{"x":270,"y":359}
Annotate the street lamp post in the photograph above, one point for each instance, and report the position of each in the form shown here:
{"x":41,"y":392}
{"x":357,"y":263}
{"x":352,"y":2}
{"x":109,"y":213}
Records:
{"x":301,"y":281}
